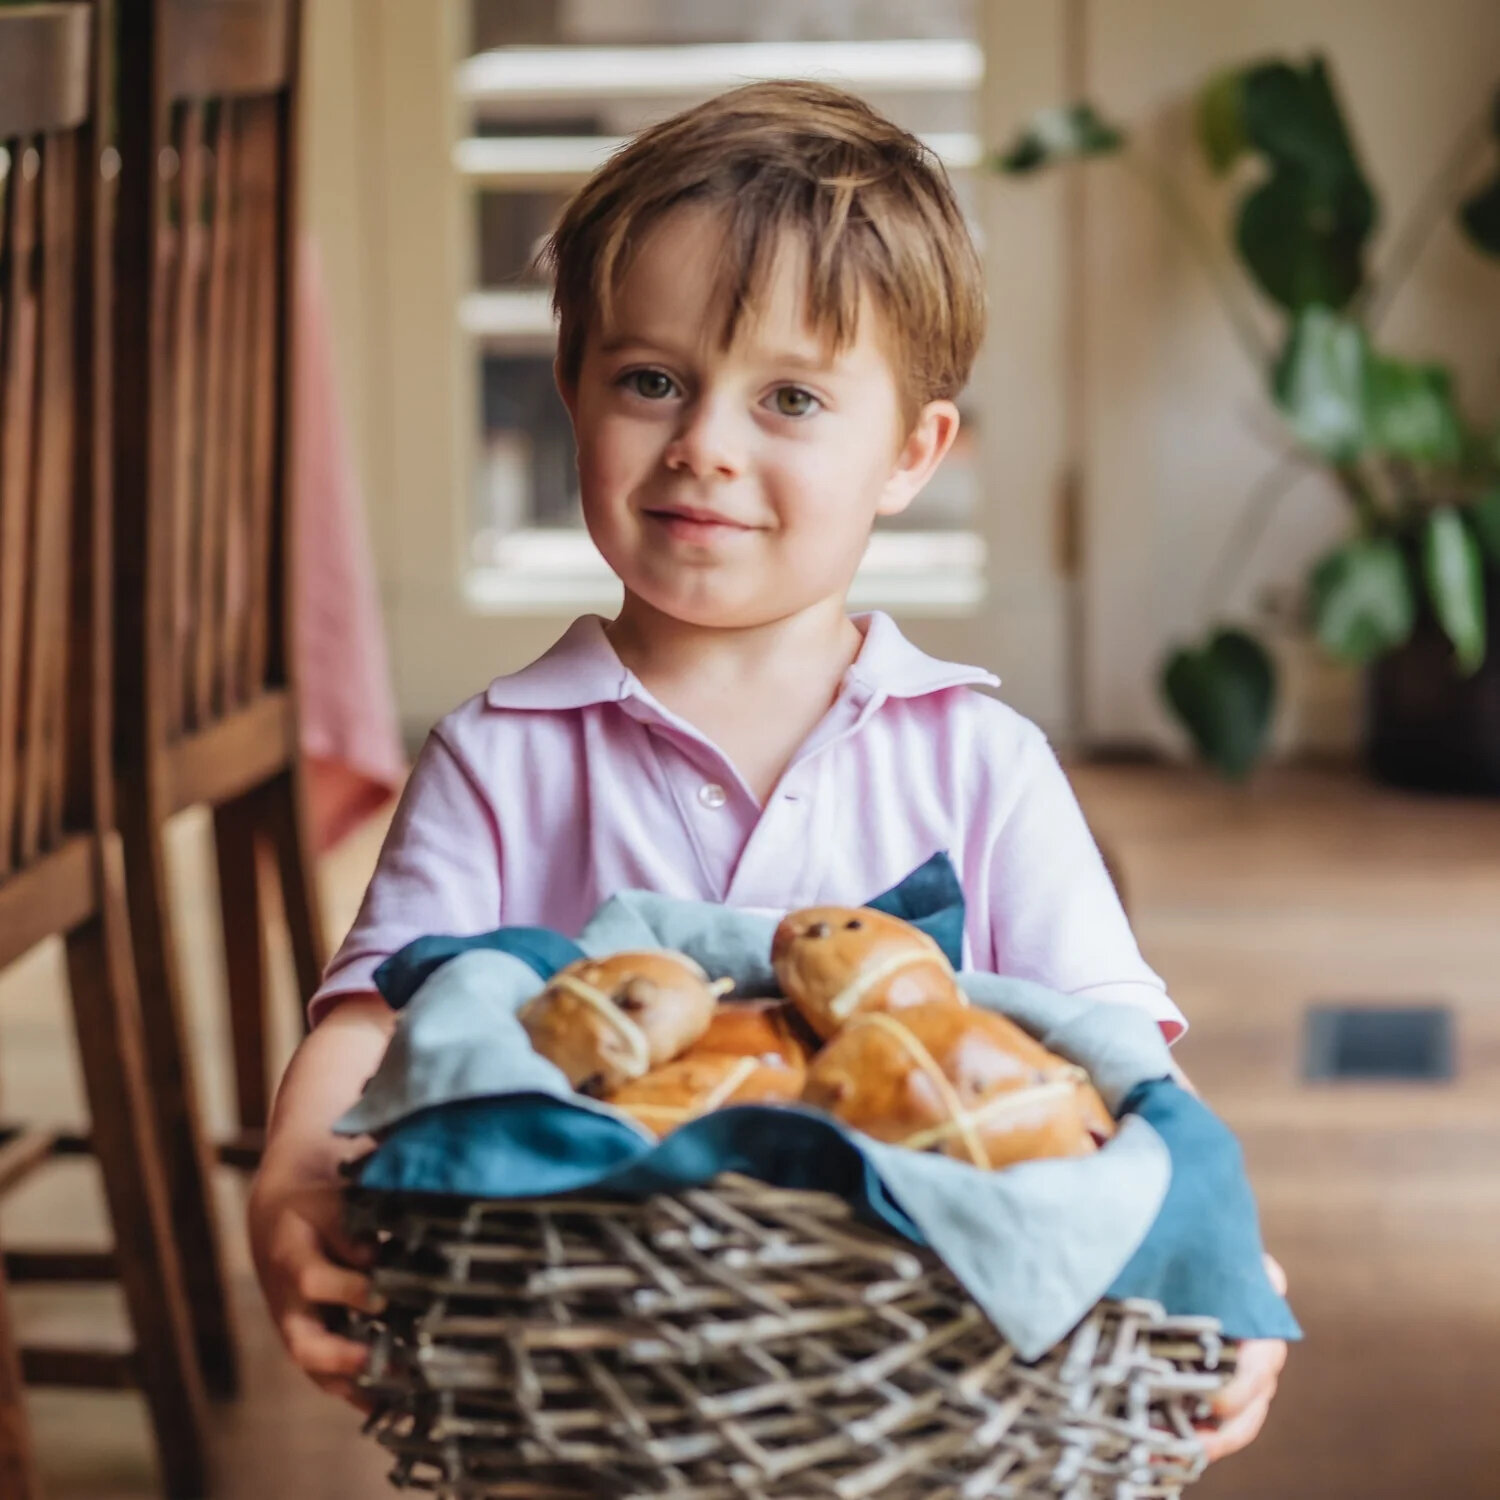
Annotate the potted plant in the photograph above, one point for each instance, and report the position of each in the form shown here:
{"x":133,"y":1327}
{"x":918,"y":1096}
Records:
{"x":1413,"y":592}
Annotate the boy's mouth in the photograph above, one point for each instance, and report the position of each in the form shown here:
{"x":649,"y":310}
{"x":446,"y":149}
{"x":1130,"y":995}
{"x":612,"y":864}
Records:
{"x":695,"y":524}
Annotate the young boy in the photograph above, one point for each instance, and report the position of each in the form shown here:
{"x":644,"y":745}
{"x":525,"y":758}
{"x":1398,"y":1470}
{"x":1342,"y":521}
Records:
{"x":767,"y":306}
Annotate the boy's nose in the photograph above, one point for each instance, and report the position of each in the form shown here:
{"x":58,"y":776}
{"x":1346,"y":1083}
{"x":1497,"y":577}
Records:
{"x":709,"y":444}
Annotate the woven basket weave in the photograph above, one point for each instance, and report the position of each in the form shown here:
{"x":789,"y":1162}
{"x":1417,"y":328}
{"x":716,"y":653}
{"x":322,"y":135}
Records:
{"x":744,"y":1342}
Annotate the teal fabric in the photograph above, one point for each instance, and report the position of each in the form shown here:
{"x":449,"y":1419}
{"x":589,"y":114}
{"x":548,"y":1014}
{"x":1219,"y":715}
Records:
{"x":458,"y":1039}
{"x":1204,"y":1249}
{"x":931,"y":899}
{"x":543,"y":951}
{"x":722,"y":939}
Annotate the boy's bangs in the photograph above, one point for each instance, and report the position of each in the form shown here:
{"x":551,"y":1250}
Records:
{"x":788,"y":164}
{"x":752,"y":244}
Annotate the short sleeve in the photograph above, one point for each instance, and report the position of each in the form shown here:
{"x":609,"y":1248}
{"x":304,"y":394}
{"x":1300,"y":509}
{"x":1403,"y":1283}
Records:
{"x":1056,"y":917}
{"x":438,"y":872}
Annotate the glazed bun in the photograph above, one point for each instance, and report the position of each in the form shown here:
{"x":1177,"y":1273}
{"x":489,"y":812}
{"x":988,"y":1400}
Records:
{"x":606,"y":1021}
{"x":966,"y":1082}
{"x":835,"y":962}
{"x":750,"y":1054}
{"x":700,"y":1082}
{"x":769,"y":1030}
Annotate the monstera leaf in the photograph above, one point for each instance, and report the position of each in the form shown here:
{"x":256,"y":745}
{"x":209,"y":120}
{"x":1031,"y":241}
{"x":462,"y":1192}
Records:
{"x":1319,"y":383}
{"x":1480,"y":214}
{"x":1410,"y":411}
{"x":1302,"y":232}
{"x":1223,"y":692}
{"x":1060,"y":134}
{"x":1363,"y":601}
{"x":1454,"y":572}
{"x":1220,"y":117}
{"x":1342,"y":399}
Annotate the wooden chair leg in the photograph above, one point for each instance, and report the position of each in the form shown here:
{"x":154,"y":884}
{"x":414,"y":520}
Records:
{"x":17,"y":1471}
{"x":286,"y":824}
{"x":242,"y":904}
{"x":111,"y":1046}
{"x":170,"y":1074}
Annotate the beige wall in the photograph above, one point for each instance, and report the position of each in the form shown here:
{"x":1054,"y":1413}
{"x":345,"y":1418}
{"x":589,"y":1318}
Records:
{"x":1177,"y":424}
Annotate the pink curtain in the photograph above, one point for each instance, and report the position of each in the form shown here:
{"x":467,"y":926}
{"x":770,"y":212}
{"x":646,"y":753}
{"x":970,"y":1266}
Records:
{"x":350,"y":733}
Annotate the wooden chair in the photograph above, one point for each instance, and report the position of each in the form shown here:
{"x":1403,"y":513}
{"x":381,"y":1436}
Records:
{"x":207,"y":708}
{"x":61,"y":864}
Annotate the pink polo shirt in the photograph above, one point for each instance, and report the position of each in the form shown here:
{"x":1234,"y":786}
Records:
{"x":566,"y":782}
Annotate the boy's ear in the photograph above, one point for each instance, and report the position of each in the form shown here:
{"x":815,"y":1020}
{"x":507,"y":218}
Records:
{"x":925,"y":447}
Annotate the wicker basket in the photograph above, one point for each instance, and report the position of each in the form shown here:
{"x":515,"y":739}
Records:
{"x":745,"y":1342}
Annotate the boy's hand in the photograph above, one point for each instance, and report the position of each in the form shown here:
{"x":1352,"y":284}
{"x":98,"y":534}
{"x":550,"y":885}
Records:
{"x":306,"y":1261}
{"x":1242,"y":1405}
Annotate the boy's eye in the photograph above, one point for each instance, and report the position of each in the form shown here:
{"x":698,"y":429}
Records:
{"x":654,"y":385}
{"x":793,"y":401}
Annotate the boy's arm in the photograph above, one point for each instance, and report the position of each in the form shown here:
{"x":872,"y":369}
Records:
{"x":295,"y":1216}
{"x":1054,"y":913}
{"x":439,"y":871}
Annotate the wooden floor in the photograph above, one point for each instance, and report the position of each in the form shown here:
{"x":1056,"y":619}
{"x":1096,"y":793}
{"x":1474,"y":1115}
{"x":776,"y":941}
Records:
{"x":1383,"y":1202}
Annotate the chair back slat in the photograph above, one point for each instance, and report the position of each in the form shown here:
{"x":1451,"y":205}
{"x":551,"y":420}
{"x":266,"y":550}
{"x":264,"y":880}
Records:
{"x":54,"y":477}
{"x":18,"y":365}
{"x":216,"y":338}
{"x":235,"y":594}
{"x":181,"y":505}
{"x":46,"y":463}
{"x":38,"y":480}
{"x":208,"y":697}
{"x":215,"y":517}
{"x":266,"y":371}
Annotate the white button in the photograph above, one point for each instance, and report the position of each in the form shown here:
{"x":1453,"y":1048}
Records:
{"x":711,"y":794}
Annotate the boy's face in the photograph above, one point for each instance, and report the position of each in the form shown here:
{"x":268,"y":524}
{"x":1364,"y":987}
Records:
{"x":733,"y":487}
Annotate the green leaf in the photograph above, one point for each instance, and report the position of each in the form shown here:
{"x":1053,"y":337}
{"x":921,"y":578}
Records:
{"x":1486,"y":518}
{"x":1302,"y":233}
{"x":1293,"y":116}
{"x":1223,"y":693}
{"x":1221,"y":120}
{"x":1409,"y":411}
{"x":1063,"y":133}
{"x":1454,"y":571}
{"x":1362,"y":599}
{"x":1342,"y":399}
{"x":1300,"y":248}
{"x":1319,"y":382}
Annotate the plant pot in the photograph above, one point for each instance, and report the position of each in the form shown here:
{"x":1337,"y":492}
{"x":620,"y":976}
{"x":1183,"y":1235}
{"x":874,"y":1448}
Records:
{"x":1427,"y":726}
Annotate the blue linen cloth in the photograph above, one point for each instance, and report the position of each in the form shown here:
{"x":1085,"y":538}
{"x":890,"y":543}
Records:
{"x":462,"y":1105}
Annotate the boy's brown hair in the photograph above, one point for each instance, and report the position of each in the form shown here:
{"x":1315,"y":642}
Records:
{"x":872,"y":205}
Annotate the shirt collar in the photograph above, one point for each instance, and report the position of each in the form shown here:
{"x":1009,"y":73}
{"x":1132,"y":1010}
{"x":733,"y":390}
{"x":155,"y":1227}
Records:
{"x":582,"y":669}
